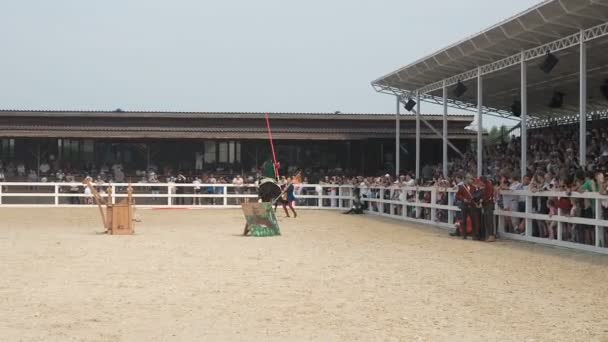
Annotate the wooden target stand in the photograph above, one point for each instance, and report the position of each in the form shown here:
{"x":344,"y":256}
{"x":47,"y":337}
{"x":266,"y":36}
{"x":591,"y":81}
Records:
{"x":117,"y":218}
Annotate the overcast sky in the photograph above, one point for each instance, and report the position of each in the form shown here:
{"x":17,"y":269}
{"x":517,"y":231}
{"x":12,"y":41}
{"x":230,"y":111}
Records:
{"x":198,"y":55}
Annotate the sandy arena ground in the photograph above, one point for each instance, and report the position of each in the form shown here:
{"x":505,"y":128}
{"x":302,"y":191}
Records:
{"x":188,"y":276}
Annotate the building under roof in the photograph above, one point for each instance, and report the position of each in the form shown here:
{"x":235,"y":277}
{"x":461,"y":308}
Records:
{"x":218,"y":125}
{"x":211,"y":140}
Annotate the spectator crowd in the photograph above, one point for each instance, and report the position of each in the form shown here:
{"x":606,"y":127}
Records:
{"x":553,"y":165}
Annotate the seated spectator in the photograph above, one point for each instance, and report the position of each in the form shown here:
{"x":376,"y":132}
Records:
{"x":44,"y":168}
{"x":21,"y":170}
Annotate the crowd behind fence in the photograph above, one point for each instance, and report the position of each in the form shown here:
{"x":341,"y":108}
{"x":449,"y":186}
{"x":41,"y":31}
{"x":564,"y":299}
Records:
{"x":426,"y":205}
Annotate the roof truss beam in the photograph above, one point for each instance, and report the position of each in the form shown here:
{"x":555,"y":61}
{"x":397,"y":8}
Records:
{"x":530,"y":54}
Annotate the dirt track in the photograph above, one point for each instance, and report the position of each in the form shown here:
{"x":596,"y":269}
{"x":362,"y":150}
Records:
{"x":189,"y":276}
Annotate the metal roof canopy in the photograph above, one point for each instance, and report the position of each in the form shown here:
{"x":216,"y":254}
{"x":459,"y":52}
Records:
{"x":556,"y":26}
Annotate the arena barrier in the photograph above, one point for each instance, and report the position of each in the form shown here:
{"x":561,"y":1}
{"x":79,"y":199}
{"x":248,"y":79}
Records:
{"x":166,"y":195}
{"x":434,"y":206}
{"x":423,"y":205}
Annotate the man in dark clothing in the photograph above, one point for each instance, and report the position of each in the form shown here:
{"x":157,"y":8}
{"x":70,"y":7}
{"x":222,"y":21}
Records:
{"x":180,"y":190}
{"x":427,"y":173}
{"x":487,"y":221}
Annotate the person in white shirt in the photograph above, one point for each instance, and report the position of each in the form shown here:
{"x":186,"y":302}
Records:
{"x":197,"y":191}
{"x":238,"y":181}
{"x":512,"y":201}
{"x":88,"y":195}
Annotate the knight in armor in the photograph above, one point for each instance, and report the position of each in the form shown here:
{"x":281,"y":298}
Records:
{"x":269,"y":169}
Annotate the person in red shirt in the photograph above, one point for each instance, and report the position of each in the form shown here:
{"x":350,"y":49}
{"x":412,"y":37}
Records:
{"x":469,"y":208}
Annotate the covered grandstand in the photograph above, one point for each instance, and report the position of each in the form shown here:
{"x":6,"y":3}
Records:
{"x":544,"y":66}
{"x":207,"y":141}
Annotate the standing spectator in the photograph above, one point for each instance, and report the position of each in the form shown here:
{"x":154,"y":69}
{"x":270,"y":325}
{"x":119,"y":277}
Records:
{"x":512,"y":201}
{"x":238,"y":182}
{"x":197,"y":191}
{"x":180,"y":190}
{"x":588,"y":210}
{"x":73,"y":190}
{"x":211,"y":189}
{"x":488,"y":210}
{"x":32,"y":177}
{"x":88,"y":195}
{"x":21,"y":169}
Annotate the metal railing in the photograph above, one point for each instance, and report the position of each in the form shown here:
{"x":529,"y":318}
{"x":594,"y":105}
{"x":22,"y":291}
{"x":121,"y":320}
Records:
{"x":425,"y":205}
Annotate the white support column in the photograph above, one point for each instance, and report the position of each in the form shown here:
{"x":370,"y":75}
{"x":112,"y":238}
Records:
{"x":418,"y":137}
{"x":524,"y":116}
{"x":445,"y":130}
{"x":397,"y":138}
{"x":479,"y":124}
{"x":583,"y":102}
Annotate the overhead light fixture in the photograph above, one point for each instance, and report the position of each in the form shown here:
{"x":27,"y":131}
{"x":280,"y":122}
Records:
{"x":549,"y":63}
{"x":557,"y":101}
{"x":460,"y":89}
{"x":516,"y":108}
{"x":409,"y":105}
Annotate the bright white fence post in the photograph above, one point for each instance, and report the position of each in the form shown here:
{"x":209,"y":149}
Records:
{"x":434,"y":201}
{"x":599,"y":230}
{"x":404,"y":201}
{"x":417,"y":199}
{"x":528,"y":211}
{"x":560,"y":226}
{"x":225,"y":192}
{"x":56,"y":192}
{"x":320,"y":194}
{"x":114,"y":194}
{"x":169,"y":199}
{"x":451,"y":198}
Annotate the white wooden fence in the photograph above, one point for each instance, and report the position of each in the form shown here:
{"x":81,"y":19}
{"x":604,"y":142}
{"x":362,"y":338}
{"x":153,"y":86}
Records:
{"x":424,"y":205}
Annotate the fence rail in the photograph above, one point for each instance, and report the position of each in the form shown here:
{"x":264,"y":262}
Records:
{"x":425,"y":205}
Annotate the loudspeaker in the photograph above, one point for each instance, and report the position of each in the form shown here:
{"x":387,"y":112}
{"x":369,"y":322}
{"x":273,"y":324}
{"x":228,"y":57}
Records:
{"x":516,"y":108}
{"x":549,"y":63}
{"x":460,"y":89}
{"x":410,"y":105}
{"x":557,"y":100}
